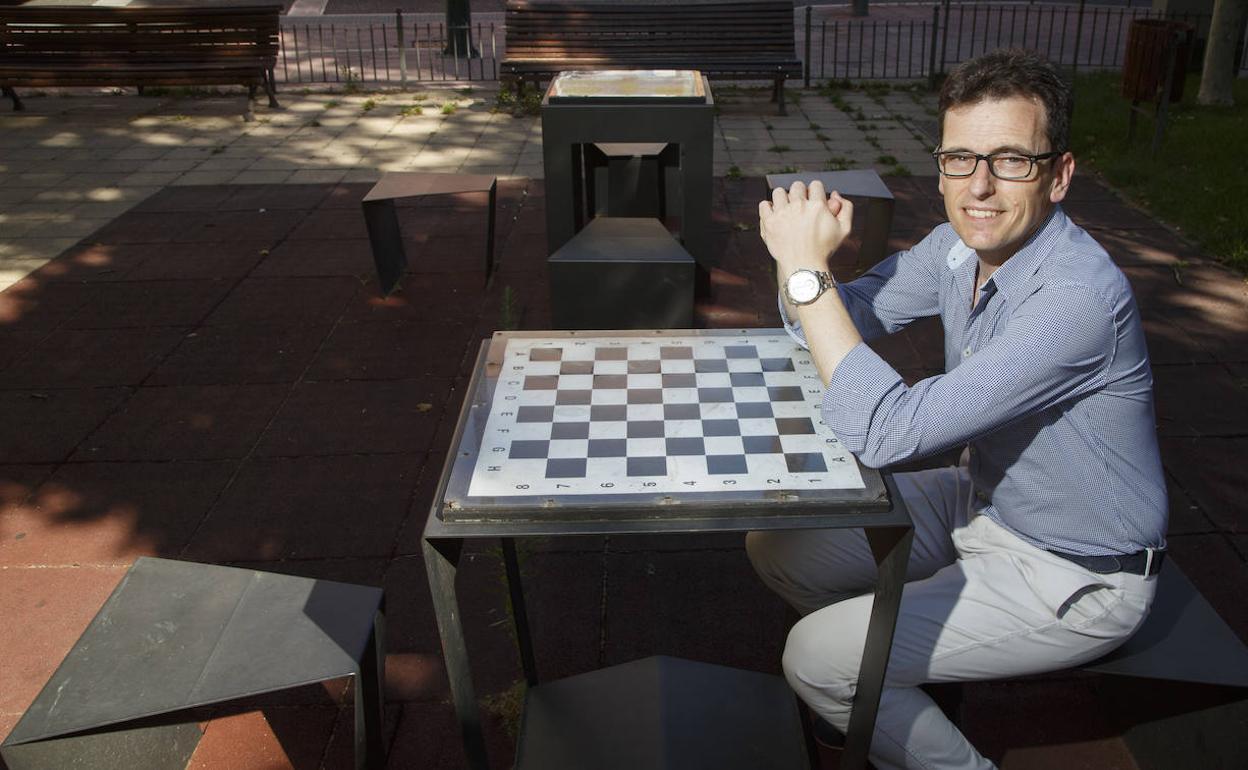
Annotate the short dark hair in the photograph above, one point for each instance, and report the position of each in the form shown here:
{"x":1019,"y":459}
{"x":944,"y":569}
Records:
{"x":1010,"y":72}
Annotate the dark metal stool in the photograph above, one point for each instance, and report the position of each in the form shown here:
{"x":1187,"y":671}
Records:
{"x":383,"y":220}
{"x":177,"y":635}
{"x":864,"y":186}
{"x":621,"y":273}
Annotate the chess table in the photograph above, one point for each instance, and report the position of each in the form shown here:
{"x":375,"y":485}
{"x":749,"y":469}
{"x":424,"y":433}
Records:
{"x":673,"y":431}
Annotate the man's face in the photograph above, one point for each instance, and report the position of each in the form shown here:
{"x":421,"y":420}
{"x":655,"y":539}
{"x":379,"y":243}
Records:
{"x":995,"y":217}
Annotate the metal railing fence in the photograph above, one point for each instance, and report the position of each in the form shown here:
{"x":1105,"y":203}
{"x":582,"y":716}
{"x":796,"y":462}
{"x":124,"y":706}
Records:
{"x":912,"y":42}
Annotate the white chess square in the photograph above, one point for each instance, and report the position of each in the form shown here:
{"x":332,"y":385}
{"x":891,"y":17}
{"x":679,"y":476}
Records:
{"x":636,"y":381}
{"x":571,"y":413}
{"x":610,"y":367}
{"x":577,"y":447}
{"x":723,"y":445}
{"x":647,"y":447}
{"x":676,"y":366}
{"x":645,"y":411}
{"x":680,"y":395}
{"x":610,"y":429}
{"x":713,"y":380}
{"x":719,"y":411}
{"x":757,"y":426}
{"x":576,"y":381}
{"x":609,"y":396}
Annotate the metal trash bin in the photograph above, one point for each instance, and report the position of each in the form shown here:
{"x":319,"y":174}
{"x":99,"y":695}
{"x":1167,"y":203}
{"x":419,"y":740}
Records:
{"x":1144,"y":70}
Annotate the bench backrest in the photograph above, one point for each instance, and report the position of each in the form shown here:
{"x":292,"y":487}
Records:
{"x":158,"y":32}
{"x":541,"y":29}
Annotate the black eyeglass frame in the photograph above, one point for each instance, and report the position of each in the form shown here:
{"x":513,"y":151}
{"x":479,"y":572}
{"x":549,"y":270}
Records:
{"x":989,"y":157}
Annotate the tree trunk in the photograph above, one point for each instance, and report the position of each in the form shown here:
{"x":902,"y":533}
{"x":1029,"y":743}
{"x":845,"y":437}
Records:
{"x":1219,"y":70}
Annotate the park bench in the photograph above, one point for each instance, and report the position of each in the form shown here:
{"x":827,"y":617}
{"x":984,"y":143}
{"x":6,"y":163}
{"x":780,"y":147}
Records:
{"x":748,"y":40}
{"x":52,"y":46}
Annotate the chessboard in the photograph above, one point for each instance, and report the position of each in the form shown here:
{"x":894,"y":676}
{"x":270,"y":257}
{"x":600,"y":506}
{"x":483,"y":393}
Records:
{"x":665,"y":415}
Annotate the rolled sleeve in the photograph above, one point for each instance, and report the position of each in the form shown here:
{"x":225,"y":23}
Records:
{"x":861,"y":382}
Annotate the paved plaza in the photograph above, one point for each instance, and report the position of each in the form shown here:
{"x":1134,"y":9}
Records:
{"x":195,"y":364}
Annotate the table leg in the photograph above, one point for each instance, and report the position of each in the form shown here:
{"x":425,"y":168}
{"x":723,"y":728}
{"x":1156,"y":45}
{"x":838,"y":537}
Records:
{"x":696,"y":191}
{"x":891,"y":548}
{"x":386,"y":241}
{"x":520,"y":615}
{"x":441,"y":560}
{"x":370,"y":700}
{"x":489,"y":233}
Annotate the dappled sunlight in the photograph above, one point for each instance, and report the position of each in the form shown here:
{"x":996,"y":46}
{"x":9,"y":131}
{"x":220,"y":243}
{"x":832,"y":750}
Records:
{"x":413,"y":676}
{"x":58,"y":520}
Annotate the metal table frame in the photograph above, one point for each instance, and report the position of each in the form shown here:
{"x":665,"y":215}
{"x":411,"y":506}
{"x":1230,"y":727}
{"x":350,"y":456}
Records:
{"x":888,"y":529}
{"x":566,"y":127}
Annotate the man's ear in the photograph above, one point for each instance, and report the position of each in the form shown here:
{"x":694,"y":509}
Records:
{"x":1063,"y":172}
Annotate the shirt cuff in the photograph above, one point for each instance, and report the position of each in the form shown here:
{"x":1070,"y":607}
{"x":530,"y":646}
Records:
{"x":794,"y":328}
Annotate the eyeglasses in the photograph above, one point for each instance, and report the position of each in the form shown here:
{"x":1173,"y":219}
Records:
{"x":1003,"y":165}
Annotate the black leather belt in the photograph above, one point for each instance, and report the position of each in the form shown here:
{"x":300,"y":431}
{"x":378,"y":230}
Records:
{"x":1136,"y":563}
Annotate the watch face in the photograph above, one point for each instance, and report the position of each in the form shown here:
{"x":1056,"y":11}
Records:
{"x":803,"y":286}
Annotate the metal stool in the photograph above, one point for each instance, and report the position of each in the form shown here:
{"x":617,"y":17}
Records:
{"x":383,"y":221}
{"x":177,"y":635}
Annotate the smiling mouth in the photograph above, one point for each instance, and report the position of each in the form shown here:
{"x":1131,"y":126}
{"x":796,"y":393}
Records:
{"x":980,"y":213}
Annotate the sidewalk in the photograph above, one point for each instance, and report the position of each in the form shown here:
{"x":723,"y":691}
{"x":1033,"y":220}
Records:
{"x":206,"y":372}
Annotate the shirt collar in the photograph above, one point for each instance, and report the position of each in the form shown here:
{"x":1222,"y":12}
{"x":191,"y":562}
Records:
{"x":1018,"y":269}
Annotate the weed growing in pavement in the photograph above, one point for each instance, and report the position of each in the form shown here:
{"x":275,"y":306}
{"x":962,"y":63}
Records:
{"x":369,"y":105}
{"x":734,"y":172}
{"x":412,"y":109}
{"x":448,"y":108}
{"x":836,"y":163}
{"x":897,"y":170}
{"x":887,"y":160}
{"x":823,"y":137}
{"x":784,"y":170}
{"x":778,"y":148}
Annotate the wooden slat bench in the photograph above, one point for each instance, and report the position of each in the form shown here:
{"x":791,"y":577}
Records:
{"x":52,"y":46}
{"x":747,"y":40}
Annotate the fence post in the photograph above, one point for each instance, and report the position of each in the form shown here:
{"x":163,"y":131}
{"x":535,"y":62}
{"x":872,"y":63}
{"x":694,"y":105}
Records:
{"x":806,"y":59}
{"x":944,"y":39}
{"x":931,"y":54}
{"x":398,"y":20}
{"x":1074,"y":66}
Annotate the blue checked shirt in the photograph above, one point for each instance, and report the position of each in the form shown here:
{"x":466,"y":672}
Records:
{"x":1046,"y":378}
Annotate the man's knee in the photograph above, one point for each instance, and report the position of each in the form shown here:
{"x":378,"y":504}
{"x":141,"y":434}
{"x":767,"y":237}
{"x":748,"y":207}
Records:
{"x":821,"y":657}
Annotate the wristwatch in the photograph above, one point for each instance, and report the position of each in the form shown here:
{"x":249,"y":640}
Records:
{"x":805,"y":286}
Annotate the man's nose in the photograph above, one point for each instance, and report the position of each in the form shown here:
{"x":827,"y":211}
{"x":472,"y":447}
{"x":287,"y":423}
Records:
{"x":983,"y":183}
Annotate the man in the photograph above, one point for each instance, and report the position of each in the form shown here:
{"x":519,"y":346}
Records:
{"x":1040,"y":551}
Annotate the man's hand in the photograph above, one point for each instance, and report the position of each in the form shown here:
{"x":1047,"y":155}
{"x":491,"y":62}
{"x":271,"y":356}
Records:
{"x":803,"y":227}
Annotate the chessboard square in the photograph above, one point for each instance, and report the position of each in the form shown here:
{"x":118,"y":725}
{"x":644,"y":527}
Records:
{"x":524,"y":431}
{"x":536,"y":397}
{"x":614,"y":429}
{"x":566,"y":468}
{"x":576,"y":381}
{"x":521,"y":450}
{"x":605,"y":468}
{"x":610,"y":367}
{"x":747,"y":379}
{"x":689,"y":380}
{"x":681,"y":412}
{"x":718,"y":465}
{"x":754,"y":409}
{"x":608,"y":412}
{"x":540,"y":368}
{"x":713,"y":380}
{"x":777,"y":364}
{"x":576,"y":367}
{"x":535,"y":414}
{"x":715,"y":395}
{"x":568,"y":448}
{"x":645,"y":396}
{"x":678,"y":366}
{"x":645,"y":412}
{"x":607,"y":447}
{"x":573,"y":396}
{"x":721,"y":428}
{"x":719,"y":411}
{"x":742,"y":365}
{"x":805,"y":462}
{"x":672,"y":352}
{"x":645,"y":429}
{"x":619,"y":353}
{"x":794,"y":425}
{"x":646,"y":447}
{"x":785,"y":393}
{"x":761,"y":426}
{"x":740,"y":351}
{"x":647,"y":466}
{"x":680,"y":396}
{"x":682,"y":428}
{"x":569,"y":430}
{"x":545,"y":354}
{"x":608,"y":381}
{"x":767,"y":465}
{"x":724,"y":445}
{"x":572,"y":413}
{"x":650,"y":366}
{"x":643,"y":381}
{"x":541,"y":382}
{"x":758,"y":445}
{"x":710,"y":365}
{"x":746,"y":395}
{"x":686,"y":446}
{"x":610,"y":396}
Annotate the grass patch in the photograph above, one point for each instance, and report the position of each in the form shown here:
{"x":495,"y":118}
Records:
{"x":734,"y":172}
{"x":779,"y":148}
{"x":412,"y":109}
{"x":449,"y":108}
{"x":886,"y":160}
{"x":1196,"y":182}
{"x":369,"y":105}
